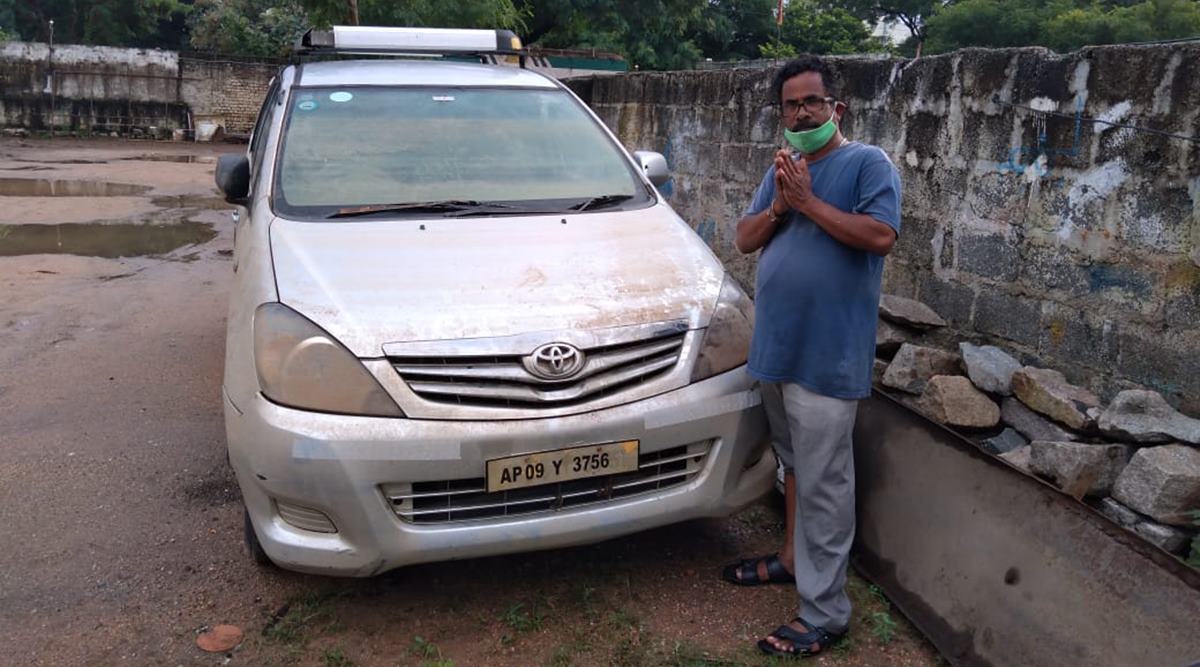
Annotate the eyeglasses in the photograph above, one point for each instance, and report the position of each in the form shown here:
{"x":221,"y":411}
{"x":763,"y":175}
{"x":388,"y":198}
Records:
{"x":811,"y":104}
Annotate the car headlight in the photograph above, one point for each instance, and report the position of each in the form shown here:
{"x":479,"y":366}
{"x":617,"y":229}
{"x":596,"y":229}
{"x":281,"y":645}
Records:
{"x":301,"y":366}
{"x":726,"y":342}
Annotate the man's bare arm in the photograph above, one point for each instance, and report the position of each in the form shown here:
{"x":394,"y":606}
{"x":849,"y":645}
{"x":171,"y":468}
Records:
{"x":853,"y":229}
{"x":753,"y":231}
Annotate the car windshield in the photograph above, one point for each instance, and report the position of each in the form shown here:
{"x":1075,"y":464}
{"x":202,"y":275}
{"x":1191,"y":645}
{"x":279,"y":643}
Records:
{"x":399,"y":151}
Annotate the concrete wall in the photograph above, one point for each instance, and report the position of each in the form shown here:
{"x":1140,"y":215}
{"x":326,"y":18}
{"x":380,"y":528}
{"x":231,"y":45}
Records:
{"x":128,"y":91}
{"x":89,"y":88}
{"x":1076,"y":245}
{"x":229,"y":89}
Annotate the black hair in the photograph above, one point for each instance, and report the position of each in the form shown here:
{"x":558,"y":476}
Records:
{"x":800,"y":65}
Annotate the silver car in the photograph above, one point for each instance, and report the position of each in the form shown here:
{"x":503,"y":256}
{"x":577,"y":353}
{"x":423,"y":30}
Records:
{"x":464,"y":322}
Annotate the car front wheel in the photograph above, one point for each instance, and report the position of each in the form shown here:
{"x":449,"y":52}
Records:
{"x":252,"y":544}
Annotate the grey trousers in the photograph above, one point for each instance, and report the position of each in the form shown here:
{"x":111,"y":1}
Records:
{"x":812,"y":437}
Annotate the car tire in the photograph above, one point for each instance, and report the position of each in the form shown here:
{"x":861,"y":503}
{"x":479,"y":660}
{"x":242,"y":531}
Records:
{"x":257,"y":553}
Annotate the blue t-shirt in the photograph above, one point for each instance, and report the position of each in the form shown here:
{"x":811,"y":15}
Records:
{"x":816,"y":301}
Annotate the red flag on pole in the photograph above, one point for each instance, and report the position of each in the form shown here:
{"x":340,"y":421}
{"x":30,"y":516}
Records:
{"x":779,"y":14}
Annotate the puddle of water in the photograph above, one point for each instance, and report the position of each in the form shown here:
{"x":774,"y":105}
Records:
{"x":206,"y":202}
{"x":65,"y":161}
{"x":45,"y":187}
{"x":93,"y":240}
{"x":166,"y":157}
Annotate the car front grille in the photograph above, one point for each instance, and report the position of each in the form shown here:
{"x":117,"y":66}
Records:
{"x":466,"y":499}
{"x":503,"y":381}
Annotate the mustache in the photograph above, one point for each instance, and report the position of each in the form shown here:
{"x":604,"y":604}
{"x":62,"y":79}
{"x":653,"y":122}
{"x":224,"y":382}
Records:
{"x":802,"y":125}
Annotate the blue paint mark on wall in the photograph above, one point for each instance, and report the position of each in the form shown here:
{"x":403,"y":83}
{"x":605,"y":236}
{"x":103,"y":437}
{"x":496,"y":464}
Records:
{"x":1105,"y":276}
{"x":1029,"y":159}
{"x":667,"y":189}
{"x":707,"y":231}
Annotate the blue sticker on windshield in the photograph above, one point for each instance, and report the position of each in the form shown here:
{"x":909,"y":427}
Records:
{"x":340,"y":96}
{"x":307,"y":105}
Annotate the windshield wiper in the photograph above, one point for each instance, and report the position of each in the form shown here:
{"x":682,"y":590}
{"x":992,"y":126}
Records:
{"x":602,"y":201}
{"x":496,"y":208}
{"x":444,"y":206}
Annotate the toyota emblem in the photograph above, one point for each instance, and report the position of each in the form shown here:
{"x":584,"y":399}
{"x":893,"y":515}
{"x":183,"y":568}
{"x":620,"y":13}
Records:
{"x":555,"y":361}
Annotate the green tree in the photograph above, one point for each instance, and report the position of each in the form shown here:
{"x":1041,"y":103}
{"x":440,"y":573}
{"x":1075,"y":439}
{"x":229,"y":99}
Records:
{"x":736,"y":29}
{"x":912,"y":14}
{"x":1060,"y":24}
{"x":810,"y":28}
{"x":1156,"y":19}
{"x":248,"y":27}
{"x":651,"y":34}
{"x":996,"y":23}
{"x":141,"y":23}
{"x":510,"y":14}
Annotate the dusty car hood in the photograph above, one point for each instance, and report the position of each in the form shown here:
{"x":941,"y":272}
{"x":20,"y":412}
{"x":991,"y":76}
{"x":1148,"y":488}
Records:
{"x":370,"y":283}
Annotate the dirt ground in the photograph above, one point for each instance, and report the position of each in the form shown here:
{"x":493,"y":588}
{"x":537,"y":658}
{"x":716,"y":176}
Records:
{"x":121,"y":522}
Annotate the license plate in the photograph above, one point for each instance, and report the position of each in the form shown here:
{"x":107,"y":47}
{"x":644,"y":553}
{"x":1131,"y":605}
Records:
{"x":561,"y":465}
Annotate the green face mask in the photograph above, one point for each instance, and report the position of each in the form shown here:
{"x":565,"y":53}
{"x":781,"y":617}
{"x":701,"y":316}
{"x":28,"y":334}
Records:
{"x":811,"y":141}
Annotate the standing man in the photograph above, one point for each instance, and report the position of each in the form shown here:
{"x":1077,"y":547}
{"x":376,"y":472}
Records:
{"x":824,"y":216}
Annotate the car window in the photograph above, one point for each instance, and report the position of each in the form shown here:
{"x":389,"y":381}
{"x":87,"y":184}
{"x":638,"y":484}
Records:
{"x":258,"y":137}
{"x":390,"y":145}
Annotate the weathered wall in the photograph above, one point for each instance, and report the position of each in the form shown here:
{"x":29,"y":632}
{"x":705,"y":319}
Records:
{"x":229,"y":89}
{"x":129,"y":91}
{"x":91,"y":89}
{"x":1074,"y":244}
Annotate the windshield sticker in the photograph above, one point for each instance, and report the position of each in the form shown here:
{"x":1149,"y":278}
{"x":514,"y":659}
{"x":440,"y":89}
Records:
{"x":443,"y":98}
{"x":340,"y":96}
{"x":307,"y":105}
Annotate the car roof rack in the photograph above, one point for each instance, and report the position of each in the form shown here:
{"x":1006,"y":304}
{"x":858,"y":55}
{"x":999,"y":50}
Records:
{"x":421,"y":42}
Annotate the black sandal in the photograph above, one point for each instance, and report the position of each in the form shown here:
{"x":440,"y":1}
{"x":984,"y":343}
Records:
{"x":804,"y":644}
{"x":748,"y":571}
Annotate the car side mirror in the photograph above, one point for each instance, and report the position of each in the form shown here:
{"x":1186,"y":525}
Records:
{"x":654,"y":165}
{"x":233,"y":178}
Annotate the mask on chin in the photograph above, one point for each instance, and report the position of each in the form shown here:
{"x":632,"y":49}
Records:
{"x":811,"y":141}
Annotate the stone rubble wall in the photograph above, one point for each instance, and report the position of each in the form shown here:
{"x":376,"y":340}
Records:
{"x":1072,"y":244}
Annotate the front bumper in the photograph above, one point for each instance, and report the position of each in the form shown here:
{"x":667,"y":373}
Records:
{"x":337,"y":464}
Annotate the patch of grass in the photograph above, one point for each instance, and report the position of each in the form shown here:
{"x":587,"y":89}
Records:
{"x":292,"y":624}
{"x":521,"y":620}
{"x":685,"y":654}
{"x":883,"y":626}
{"x":437,"y":663}
{"x":623,"y":618}
{"x":878,"y":595}
{"x":844,"y":649}
{"x":632,"y":652}
{"x":560,"y":658}
{"x":334,"y":657}
{"x":423,"y":648}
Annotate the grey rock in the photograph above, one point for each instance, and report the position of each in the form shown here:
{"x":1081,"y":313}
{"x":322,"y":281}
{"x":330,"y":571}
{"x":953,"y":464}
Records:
{"x":1166,"y":538}
{"x":1079,"y":468}
{"x":1019,"y":458}
{"x":889,"y":338}
{"x":1119,"y":513}
{"x":952,"y":400}
{"x":1145,"y":417}
{"x":1162,"y":483}
{"x":878,"y":370}
{"x":1048,"y":392}
{"x":1008,"y":440}
{"x":1030,"y":424}
{"x":914,"y":365}
{"x":989,"y":367}
{"x":909,"y":312}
